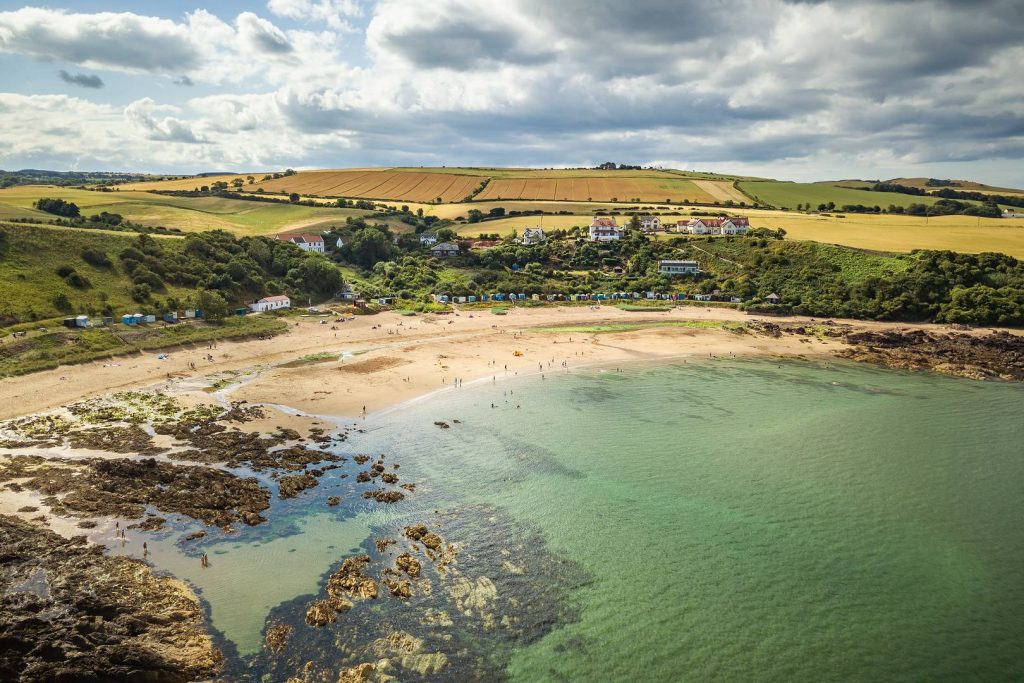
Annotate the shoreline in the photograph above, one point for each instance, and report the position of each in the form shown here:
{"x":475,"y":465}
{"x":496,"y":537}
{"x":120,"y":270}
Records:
{"x":386,"y":359}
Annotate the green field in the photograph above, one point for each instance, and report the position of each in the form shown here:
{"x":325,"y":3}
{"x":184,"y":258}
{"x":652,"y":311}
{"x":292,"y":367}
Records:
{"x":786,"y":195}
{"x":31,"y":254}
{"x":62,"y":346}
{"x":188,"y":214}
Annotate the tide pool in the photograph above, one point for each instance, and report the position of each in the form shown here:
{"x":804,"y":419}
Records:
{"x":735,"y":519}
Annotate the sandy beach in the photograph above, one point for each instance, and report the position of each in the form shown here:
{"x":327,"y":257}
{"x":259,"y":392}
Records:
{"x":386,"y":359}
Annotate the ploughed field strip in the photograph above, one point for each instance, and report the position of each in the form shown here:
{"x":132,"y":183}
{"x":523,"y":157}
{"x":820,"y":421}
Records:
{"x":383,"y":184}
{"x":626,"y":188}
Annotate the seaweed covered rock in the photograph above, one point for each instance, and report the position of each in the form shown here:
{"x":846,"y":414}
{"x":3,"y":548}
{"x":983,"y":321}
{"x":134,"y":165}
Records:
{"x":107,"y":618}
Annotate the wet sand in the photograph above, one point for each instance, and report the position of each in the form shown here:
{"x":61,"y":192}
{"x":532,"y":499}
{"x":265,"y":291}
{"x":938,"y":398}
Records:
{"x":390,"y":358}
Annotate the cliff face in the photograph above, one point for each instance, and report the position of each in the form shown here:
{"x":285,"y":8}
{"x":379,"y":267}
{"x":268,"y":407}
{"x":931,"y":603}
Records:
{"x":69,"y":613}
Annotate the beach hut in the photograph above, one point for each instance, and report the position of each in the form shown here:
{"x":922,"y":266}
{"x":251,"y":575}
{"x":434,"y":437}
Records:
{"x":242,"y":310}
{"x":150,"y":318}
{"x":69,"y":322}
{"x":498,"y":297}
{"x":82,"y":321}
{"x":521,"y":296}
{"x":170,"y":317}
{"x":127,"y":319}
{"x":190,"y":313}
{"x":471,"y":299}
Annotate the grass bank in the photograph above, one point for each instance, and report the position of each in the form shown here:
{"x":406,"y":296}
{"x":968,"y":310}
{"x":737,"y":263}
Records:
{"x":48,"y":350}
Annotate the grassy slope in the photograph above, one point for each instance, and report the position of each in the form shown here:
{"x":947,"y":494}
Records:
{"x":788,"y":195}
{"x":190,"y":214}
{"x":61,"y":346}
{"x":29,"y":282}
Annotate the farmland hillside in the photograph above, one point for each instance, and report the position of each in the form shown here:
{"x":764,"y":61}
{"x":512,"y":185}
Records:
{"x":187,"y":214}
{"x":442,"y":185}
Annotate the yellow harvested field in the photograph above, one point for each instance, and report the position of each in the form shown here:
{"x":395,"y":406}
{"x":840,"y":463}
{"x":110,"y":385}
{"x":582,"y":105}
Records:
{"x":191,"y":182}
{"x":722,"y":190}
{"x":623,"y":188}
{"x":376,"y":184}
{"x":864,"y":231}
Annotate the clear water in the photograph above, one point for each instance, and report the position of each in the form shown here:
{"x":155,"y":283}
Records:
{"x":739,"y":520}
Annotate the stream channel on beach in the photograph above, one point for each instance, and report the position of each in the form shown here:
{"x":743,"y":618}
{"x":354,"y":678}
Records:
{"x":733,"y":519}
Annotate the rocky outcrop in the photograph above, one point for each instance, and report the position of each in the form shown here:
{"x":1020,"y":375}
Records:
{"x":125,"y":488}
{"x":349,"y":580}
{"x":69,"y":613}
{"x":998,"y":355}
{"x":292,"y":485}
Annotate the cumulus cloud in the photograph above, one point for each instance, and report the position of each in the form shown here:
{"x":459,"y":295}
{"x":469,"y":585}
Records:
{"x":745,"y":85}
{"x":334,"y":13}
{"x":106,"y":39}
{"x":82,"y":80}
{"x":143,"y":114}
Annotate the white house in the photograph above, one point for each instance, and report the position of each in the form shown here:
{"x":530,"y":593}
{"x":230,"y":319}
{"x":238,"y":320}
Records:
{"x":650,"y":223}
{"x":533,"y":235}
{"x":444,"y":250}
{"x":428,"y":238}
{"x":338,"y":244}
{"x":699,"y":226}
{"x":1008,"y":213}
{"x":305,"y":242}
{"x":270,"y":303}
{"x":604,"y":229}
{"x":735,"y":226}
{"x":714,"y":226}
{"x":672,"y":267}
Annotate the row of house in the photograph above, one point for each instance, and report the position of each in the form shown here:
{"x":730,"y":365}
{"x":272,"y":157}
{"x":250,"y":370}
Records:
{"x":605,"y":229}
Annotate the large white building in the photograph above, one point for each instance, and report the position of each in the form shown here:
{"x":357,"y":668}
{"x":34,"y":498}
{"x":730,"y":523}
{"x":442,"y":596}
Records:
{"x":305,"y":242}
{"x":270,"y":303}
{"x":604,"y":229}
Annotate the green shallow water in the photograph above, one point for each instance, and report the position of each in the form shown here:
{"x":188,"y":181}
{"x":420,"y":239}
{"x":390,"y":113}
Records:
{"x":739,"y":520}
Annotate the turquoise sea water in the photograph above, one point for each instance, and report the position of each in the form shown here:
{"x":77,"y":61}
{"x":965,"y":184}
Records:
{"x":736,"y":520}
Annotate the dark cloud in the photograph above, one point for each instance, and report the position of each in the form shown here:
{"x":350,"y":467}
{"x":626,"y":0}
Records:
{"x":462,"y":45}
{"x":184,"y":81}
{"x":82,"y":80}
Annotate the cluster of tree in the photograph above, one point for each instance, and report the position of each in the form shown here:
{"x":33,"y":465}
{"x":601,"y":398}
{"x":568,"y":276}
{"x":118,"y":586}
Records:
{"x":58,"y":207}
{"x":1009,"y":200}
{"x":896,"y":187}
{"x":612,"y":166}
{"x":813,"y":279}
{"x":476,"y":215}
{"x":237,"y":269}
{"x":31,"y":176}
{"x":950,"y":207}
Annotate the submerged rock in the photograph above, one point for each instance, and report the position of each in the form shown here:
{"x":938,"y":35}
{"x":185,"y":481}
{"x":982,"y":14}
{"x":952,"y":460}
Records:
{"x":320,"y":613}
{"x":277,"y":636}
{"x":408,"y":564}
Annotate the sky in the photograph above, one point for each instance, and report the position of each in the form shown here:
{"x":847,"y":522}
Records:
{"x":789,"y":89}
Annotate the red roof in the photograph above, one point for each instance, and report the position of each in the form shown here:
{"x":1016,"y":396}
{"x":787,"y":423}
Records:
{"x":601,"y":222}
{"x":740,"y":221}
{"x":300,"y":239}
